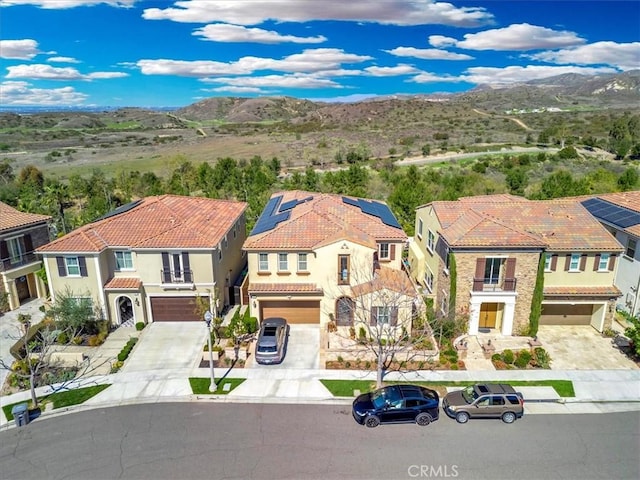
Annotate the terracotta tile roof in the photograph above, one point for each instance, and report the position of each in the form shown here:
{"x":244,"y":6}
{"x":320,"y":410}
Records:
{"x":606,"y":291}
{"x":389,"y":279}
{"x":284,"y":288}
{"x":11,"y":218}
{"x":321,"y":220}
{"x":122,"y":283}
{"x":167,"y":221}
{"x":507,"y":221}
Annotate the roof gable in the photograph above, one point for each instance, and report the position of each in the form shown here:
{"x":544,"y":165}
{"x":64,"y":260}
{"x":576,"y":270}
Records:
{"x":11,"y":218}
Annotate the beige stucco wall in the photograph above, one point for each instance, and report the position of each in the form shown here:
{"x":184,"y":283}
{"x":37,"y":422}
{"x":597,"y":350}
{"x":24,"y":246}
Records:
{"x":80,"y":286}
{"x":588,"y":277}
{"x":423,"y":259}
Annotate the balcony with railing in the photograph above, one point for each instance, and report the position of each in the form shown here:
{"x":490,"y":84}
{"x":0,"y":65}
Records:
{"x":506,"y":284}
{"x":10,"y":263}
{"x":170,"y":276}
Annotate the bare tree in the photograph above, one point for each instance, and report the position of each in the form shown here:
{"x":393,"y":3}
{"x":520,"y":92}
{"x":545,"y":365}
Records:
{"x":385,"y":317}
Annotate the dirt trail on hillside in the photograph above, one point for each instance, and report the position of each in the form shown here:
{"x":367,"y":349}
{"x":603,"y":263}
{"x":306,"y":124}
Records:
{"x":516,"y":120}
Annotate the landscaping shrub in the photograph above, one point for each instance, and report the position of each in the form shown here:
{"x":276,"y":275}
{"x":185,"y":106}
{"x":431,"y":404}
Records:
{"x":126,"y":350}
{"x":139,"y":326}
{"x":496,"y":356}
{"x":508,"y":357}
{"x":541,"y":358}
{"x":500,"y":365}
{"x":78,"y":340}
{"x":362,"y":335}
{"x":93,"y":341}
{"x":521,"y":362}
{"x":63,"y":338}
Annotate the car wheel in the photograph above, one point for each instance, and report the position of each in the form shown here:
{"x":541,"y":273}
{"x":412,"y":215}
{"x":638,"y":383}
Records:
{"x":372,"y":421}
{"x":462,"y":417}
{"x":423,"y":419}
{"x":508,"y":417}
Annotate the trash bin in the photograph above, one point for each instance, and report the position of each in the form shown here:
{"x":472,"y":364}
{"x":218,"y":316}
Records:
{"x":20,"y":414}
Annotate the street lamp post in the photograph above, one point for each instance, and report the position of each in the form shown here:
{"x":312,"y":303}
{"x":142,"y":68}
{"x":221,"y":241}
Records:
{"x":208,"y":317}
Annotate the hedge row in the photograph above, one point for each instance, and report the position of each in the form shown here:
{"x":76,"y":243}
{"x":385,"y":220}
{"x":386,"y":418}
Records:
{"x":126,"y":350}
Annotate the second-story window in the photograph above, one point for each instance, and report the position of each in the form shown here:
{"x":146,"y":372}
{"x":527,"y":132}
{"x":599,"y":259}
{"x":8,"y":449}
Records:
{"x":263,"y":262}
{"x":124,"y":260}
{"x":547,"y":262}
{"x":492,"y":269}
{"x":283,"y":262}
{"x":603,"y":263}
{"x":420,"y":226}
{"x":631,"y":248}
{"x":431,"y":241}
{"x":428,"y":280}
{"x":73,"y":266}
{"x":383,"y":249}
{"x":302,"y":262}
{"x":343,"y":269}
{"x":574,"y":262}
{"x":16,"y":250}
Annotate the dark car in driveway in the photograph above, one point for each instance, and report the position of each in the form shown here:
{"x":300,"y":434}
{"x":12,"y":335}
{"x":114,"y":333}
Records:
{"x":484,"y":400}
{"x":396,"y":404}
{"x":272,"y":340}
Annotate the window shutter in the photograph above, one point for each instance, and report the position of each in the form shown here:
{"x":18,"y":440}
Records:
{"x":480,"y":264}
{"x":373,"y":321}
{"x":567,"y":262}
{"x":394,"y":316}
{"x":28,"y":244}
{"x":166,"y":269}
{"x":511,"y":268}
{"x":4,"y":251}
{"x":62,"y":267}
{"x":583,"y":262}
{"x":596,"y":262}
{"x":83,"y":267}
{"x":554,"y":262}
{"x":612,"y":262}
{"x":392,"y":251}
{"x":187,"y":267}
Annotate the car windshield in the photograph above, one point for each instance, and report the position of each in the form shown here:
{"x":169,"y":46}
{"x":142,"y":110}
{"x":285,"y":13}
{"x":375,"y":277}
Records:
{"x":267,"y":348}
{"x":385,"y":396}
{"x":469,"y":394}
{"x":270,"y":331}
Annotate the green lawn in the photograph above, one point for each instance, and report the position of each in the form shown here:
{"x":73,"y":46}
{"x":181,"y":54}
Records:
{"x":345,"y":388}
{"x":200,"y":386}
{"x":62,"y":399}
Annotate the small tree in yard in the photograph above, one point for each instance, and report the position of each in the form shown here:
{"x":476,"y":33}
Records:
{"x":383,"y":304}
{"x":633,"y":332}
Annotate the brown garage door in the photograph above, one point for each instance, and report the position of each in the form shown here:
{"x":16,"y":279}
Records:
{"x":293,"y":312}
{"x":174,"y":309}
{"x":556,"y":314}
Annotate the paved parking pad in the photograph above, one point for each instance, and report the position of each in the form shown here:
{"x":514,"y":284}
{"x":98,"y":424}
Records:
{"x":303,"y":349}
{"x":167,"y":346}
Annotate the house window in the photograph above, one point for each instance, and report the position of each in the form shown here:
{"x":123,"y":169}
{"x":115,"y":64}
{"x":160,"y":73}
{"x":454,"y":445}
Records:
{"x":235,"y":230}
{"x":574,"y":263}
{"x":631,"y":248}
{"x":420,"y":228}
{"x":444,"y":304}
{"x":431,"y":241}
{"x":176,"y":268}
{"x":428,"y":280}
{"x":219,"y":251}
{"x":383,"y":315}
{"x":124,"y":261}
{"x":492,"y":267}
{"x":225,"y":242}
{"x":446,"y":260}
{"x":73,"y":266}
{"x":343,"y":269}
{"x":263,"y":262}
{"x":302,"y":262}
{"x":547,"y":262}
{"x":344,"y":312}
{"x":283,"y":262}
{"x":603,"y":264}
{"x":384,"y":251}
{"x":15,"y":249}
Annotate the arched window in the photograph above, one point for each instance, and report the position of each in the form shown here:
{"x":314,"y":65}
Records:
{"x":344,"y":312}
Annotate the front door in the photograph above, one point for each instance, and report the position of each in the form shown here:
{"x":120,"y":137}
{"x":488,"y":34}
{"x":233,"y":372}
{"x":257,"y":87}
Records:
{"x":22,"y":288}
{"x":488,"y":314}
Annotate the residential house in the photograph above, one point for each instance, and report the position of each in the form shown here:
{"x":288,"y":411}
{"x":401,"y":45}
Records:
{"x":314,"y":258}
{"x":149,"y":260}
{"x":620,"y":214}
{"x":479,"y":256}
{"x":20,"y":234}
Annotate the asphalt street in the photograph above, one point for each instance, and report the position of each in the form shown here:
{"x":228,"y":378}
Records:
{"x":266,"y":441}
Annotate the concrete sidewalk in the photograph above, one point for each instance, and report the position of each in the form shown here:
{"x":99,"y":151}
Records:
{"x":596,"y":390}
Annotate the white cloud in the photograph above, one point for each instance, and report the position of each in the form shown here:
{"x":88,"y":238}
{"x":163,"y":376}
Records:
{"x":401,"y":69}
{"x":625,"y":56}
{"x":310,"y":60}
{"x":440,"y":41}
{"x":389,"y":12}
{"x":64,"y":4}
{"x":62,"y":60}
{"x":428,"y":54}
{"x":19,"y":49}
{"x":283,"y":81}
{"x":519,"y":37}
{"x":427,"y":77}
{"x":47,"y":72}
{"x":231,"y":89}
{"x":518,"y":74}
{"x":221,"y":32}
{"x":22,"y":93}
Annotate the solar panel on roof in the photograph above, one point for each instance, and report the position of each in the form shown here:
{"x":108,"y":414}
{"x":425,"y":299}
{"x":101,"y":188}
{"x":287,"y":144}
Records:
{"x":288,"y":205}
{"x":620,"y":216}
{"x":350,"y":201}
{"x":269,"y":219}
{"x":121,"y":209}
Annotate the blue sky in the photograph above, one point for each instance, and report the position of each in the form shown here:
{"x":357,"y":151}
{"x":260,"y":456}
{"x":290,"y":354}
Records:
{"x":174,"y":53}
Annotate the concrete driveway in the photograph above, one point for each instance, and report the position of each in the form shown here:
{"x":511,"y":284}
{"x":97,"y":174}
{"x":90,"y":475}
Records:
{"x":303,"y":349}
{"x":167,"y":346}
{"x":581,"y":347}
